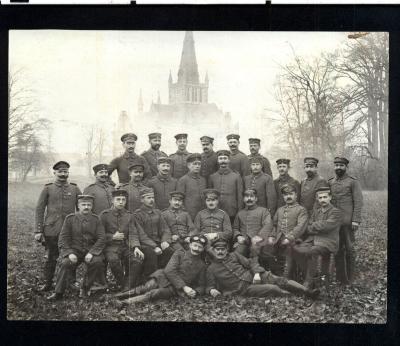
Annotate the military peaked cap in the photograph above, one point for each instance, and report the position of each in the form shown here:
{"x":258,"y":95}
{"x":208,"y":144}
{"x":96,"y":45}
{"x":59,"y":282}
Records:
{"x":207,"y":139}
{"x":181,"y":135}
{"x":100,"y":167}
{"x":284,"y":161}
{"x":254,"y":140}
{"x":128,"y":136}
{"x":219,"y":242}
{"x":146,"y":191}
{"x":177,"y":194}
{"x":323,"y":189}
{"x":137,"y":165}
{"x":250,"y":191}
{"x":232,"y":136}
{"x":85,"y":198}
{"x":193,"y":157}
{"x":154,"y":135}
{"x":341,"y":160}
{"x":311,"y":160}
{"x":120,"y":192}
{"x":223,"y":153}
{"x":61,"y":164}
{"x":255,"y":159}
{"x":287,"y":188}
{"x":212,"y":193}
{"x":164,"y":160}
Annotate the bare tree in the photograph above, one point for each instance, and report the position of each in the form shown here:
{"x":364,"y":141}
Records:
{"x":95,"y":144}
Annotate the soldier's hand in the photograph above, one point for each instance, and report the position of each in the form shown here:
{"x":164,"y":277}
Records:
{"x":158,"y":251}
{"x":72,"y":257}
{"x":88,"y":257}
{"x":215,"y":292}
{"x":189,"y":291}
{"x":241,"y":239}
{"x":271,"y":240}
{"x":187,"y":239}
{"x":211,"y":236}
{"x":118,"y":236}
{"x":138,"y":253}
{"x":175,"y":237}
{"x":256,"y":278}
{"x":256,"y":239}
{"x":285,"y":241}
{"x":39,"y":237}
{"x":354,"y":226}
{"x":164,"y":245}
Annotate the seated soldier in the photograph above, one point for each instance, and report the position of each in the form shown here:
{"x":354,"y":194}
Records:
{"x":252,"y":226}
{"x":122,"y":249}
{"x":322,"y":236}
{"x":231,"y":273}
{"x":178,"y":220}
{"x":184,"y":275}
{"x":289,"y":222}
{"x":81,"y":239}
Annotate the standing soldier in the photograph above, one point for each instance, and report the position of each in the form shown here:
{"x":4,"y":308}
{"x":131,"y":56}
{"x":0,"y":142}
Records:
{"x":192,"y":185}
{"x":284,"y":178}
{"x":238,"y":160}
{"x":163,"y":183}
{"x":179,"y":166}
{"x":254,"y":144}
{"x":209,"y":164}
{"x":101,"y":190}
{"x":310,"y":184}
{"x":229,"y":184}
{"x":346,"y":196}
{"x":154,"y":153}
{"x":56,"y":201}
{"x":262,"y":183}
{"x":122,"y":163}
{"x":136,"y":171}
{"x":82,"y":239}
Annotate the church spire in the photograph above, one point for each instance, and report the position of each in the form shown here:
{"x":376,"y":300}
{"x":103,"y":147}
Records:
{"x":188,"y":72}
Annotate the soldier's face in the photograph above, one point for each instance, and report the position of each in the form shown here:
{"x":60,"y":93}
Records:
{"x":254,"y":148}
{"x":211,"y":203}
{"x":85,"y":207}
{"x":176,"y":202}
{"x":155,"y":143}
{"x":283,"y":168}
{"x":129,"y":145}
{"x":233,"y":144}
{"x":310,"y":170}
{"x":223,"y":161}
{"x":255,"y":167}
{"x":194,"y":166}
{"x":324,"y":198}
{"x":119,"y":202}
{"x":102,"y":175}
{"x":136,"y":175}
{"x":164,"y":168}
{"x":220,"y":252}
{"x":207,"y":146}
{"x":340,"y":168}
{"x":182,"y":143}
{"x":289,"y":197}
{"x":196,"y":248}
{"x":61,"y":174}
{"x":148,"y":200}
{"x":250,"y":199}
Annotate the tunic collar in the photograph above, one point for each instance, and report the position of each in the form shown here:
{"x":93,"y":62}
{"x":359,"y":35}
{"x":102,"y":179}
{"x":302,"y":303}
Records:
{"x":58,"y":183}
{"x":226,"y":170}
{"x":345,"y":175}
{"x":128,"y":155}
{"x":162,"y":178}
{"x":286,"y":177}
{"x":330,"y":206}
{"x":295,"y":204}
{"x":185,"y":152}
{"x":251,"y":207}
{"x":207,"y":154}
{"x":194,"y":175}
{"x":147,"y":209}
{"x":83,"y":218}
{"x":117,"y":212}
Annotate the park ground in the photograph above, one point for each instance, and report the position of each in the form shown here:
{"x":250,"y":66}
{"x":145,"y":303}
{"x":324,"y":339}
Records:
{"x":363,"y":302}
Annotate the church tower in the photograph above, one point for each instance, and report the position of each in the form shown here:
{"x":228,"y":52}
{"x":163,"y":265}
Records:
{"x":188,"y":88}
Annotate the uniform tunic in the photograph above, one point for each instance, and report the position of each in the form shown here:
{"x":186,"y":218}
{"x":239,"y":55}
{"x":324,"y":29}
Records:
{"x":122,"y":163}
{"x":230,"y":186}
{"x":266,"y":165}
{"x":192,"y":185}
{"x":290,"y":221}
{"x":162,"y":186}
{"x":264,"y":185}
{"x":209,"y":164}
{"x":179,"y":222}
{"x":213,"y":221}
{"x":347,"y":196}
{"x":179,"y":166}
{"x":134,"y":201}
{"x":307,"y":191}
{"x":151,"y":157}
{"x":102,"y":194}
{"x":239,"y":162}
{"x":279,"y":182}
{"x":253,"y":221}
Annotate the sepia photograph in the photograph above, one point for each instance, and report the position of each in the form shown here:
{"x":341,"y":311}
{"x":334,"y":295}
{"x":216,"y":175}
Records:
{"x":198,"y":176}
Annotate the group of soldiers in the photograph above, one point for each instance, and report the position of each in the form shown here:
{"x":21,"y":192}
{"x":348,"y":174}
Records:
{"x":198,"y":223}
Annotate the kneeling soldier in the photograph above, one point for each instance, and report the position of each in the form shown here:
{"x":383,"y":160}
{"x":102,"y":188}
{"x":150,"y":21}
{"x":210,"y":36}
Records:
{"x":231,"y":273}
{"x":122,"y":249}
{"x":82,"y":239}
{"x":184,"y":275}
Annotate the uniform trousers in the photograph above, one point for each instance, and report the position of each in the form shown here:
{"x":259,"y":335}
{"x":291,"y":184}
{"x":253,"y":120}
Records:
{"x":270,"y":285}
{"x":346,"y":255}
{"x":152,"y":261}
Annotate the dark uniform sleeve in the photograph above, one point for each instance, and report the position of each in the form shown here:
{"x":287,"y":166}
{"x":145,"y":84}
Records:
{"x":267,"y":167}
{"x":301,"y":225}
{"x":98,"y":246}
{"x":245,"y":166}
{"x":272,"y":198}
{"x":357,"y":201}
{"x":133,"y":235}
{"x":172,"y":270}
{"x":324,"y":226}
{"x":64,"y":239}
{"x":181,"y":186}
{"x":197,"y":225}
{"x":190,"y":224}
{"x":210,"y":280}
{"x":40,"y":210}
{"x":250,"y":263}
{"x":266,"y":229}
{"x":298,"y":189}
{"x":274,"y":230}
{"x":78,"y":192}
{"x":239,"y":190}
{"x":165,"y":231}
{"x":236,"y":227}
{"x":226,"y":227}
{"x":103,"y":219}
{"x":112,"y":166}
{"x":143,"y":237}
{"x":201,"y":281}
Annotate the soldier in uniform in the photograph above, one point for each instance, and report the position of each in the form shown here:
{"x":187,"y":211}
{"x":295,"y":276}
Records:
{"x":229,"y":184}
{"x":238,"y":160}
{"x":346,"y":196}
{"x":234,"y":274}
{"x":310,"y":184}
{"x":178,"y":220}
{"x":262,"y":183}
{"x":252,"y":226}
{"x":157,"y":251}
{"x":183,"y":276}
{"x":163,"y":183}
{"x":122,"y":163}
{"x":192,"y":185}
{"x":179,"y":166}
{"x":154,"y":153}
{"x":137,"y":183}
{"x":290,"y":222}
{"x":254,"y":144}
{"x":56,"y":201}
{"x":101,"y":190}
{"x":283,"y":179}
{"x":322,"y":236}
{"x":209,"y":164}
{"x":82,"y":239}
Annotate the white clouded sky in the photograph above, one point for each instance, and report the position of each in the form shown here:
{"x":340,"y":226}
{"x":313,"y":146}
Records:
{"x":87,"y":76}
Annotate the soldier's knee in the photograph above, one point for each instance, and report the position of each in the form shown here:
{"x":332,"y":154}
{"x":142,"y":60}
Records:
{"x":96,"y":261}
{"x":66,"y":263}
